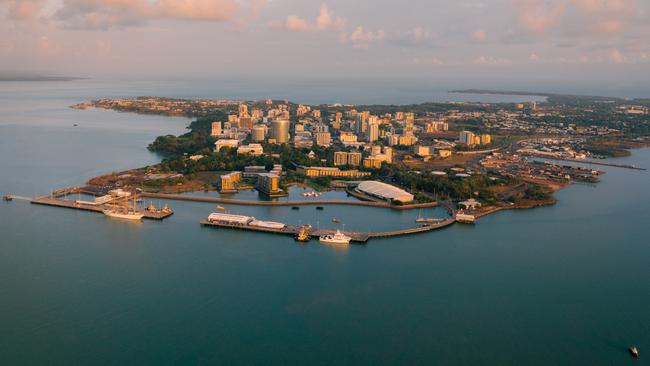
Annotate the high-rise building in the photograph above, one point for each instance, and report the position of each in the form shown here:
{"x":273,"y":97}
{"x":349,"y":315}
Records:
{"x":373,"y":132}
{"x":216,"y":129}
{"x":323,"y":139}
{"x":467,"y":138}
{"x":280,"y":130}
{"x":243,"y":110}
{"x":246,"y":122}
{"x":337,"y":120}
{"x":486,"y":139}
{"x":354,"y":158}
{"x":258,"y":133}
{"x":533,"y":105}
{"x":408,"y":124}
{"x":362,"y":121}
{"x":399,"y":116}
{"x":340,"y":158}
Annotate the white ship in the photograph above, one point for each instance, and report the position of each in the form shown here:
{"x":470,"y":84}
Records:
{"x":337,"y":238}
{"x":126,"y":215}
{"x":124,"y":210}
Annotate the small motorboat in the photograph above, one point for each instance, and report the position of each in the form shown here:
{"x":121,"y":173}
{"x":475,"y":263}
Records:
{"x":335,"y":220}
{"x":75,"y":125}
{"x":221,"y":208}
{"x":320,"y":208}
{"x":295,"y":208}
{"x":7,"y":198}
{"x":634,"y":352}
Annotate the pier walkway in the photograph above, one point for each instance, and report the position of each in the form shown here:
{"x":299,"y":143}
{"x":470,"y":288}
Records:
{"x":357,"y":237}
{"x":57,"y":202}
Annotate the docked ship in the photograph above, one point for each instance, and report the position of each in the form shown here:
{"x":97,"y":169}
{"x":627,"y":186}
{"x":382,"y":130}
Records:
{"x":337,"y":238}
{"x":124,"y":210}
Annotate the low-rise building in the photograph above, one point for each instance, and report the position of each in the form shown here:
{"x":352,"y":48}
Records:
{"x":269,"y":184}
{"x":229,"y":182}
{"x":221,"y":143}
{"x":251,"y":149}
{"x":314,"y":171}
{"x":372,"y":163}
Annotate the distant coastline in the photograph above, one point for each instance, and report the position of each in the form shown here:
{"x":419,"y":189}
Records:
{"x":39,"y":78}
{"x":537,"y":94}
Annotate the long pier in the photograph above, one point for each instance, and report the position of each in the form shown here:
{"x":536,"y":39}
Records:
{"x":57,"y":202}
{"x":357,"y":237}
{"x":228,"y":201}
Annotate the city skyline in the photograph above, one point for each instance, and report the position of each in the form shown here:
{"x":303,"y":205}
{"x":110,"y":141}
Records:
{"x":471,"y":42}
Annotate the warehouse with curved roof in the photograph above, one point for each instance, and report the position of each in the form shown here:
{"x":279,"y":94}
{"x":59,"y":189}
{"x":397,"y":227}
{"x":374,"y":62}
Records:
{"x":384,"y":191}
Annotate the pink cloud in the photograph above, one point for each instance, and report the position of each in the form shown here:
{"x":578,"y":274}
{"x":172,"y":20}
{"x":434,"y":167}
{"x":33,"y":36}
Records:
{"x":24,"y":9}
{"x":538,"y":16}
{"x":325,"y":20}
{"x":479,"y":35}
{"x":107,"y":14}
{"x":616,"y":56}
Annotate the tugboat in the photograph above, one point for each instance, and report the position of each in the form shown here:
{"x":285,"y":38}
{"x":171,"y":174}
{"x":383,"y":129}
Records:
{"x":634,"y":352}
{"x":337,"y":238}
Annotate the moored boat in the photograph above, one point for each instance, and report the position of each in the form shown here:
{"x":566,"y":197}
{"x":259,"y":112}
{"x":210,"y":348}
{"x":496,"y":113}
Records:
{"x":336,"y":238}
{"x":634,"y":352}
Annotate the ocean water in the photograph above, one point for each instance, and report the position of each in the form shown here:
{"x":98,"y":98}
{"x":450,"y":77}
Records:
{"x":561,"y":285}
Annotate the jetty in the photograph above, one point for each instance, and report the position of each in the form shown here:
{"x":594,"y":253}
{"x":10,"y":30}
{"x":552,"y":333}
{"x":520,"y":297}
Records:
{"x":356,"y":237}
{"x":59,"y":202}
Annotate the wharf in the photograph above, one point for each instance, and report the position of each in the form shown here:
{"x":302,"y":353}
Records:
{"x":356,"y":237}
{"x":57,"y":202}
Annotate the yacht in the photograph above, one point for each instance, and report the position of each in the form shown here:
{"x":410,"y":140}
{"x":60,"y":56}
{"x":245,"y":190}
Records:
{"x":337,"y":238}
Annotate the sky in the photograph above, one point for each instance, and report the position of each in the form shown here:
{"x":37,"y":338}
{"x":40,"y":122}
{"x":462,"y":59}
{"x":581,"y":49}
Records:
{"x":469,"y":43}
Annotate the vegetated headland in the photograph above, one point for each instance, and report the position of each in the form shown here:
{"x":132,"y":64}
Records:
{"x":483,"y":157}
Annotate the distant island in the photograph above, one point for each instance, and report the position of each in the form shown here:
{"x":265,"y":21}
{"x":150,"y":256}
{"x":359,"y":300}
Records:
{"x":39,"y":78}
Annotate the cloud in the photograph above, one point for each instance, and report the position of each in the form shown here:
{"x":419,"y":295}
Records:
{"x":538,"y":16}
{"x":490,"y":60}
{"x":607,"y":16}
{"x":416,"y":37}
{"x":616,"y":56}
{"x":361,"y":38}
{"x":24,"y":9}
{"x":533,"y":57}
{"x":479,"y":35}
{"x":324,"y":21}
{"x":109,"y":14}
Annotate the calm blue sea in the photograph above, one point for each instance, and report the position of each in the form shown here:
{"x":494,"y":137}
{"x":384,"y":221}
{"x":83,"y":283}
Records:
{"x":561,"y":285}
